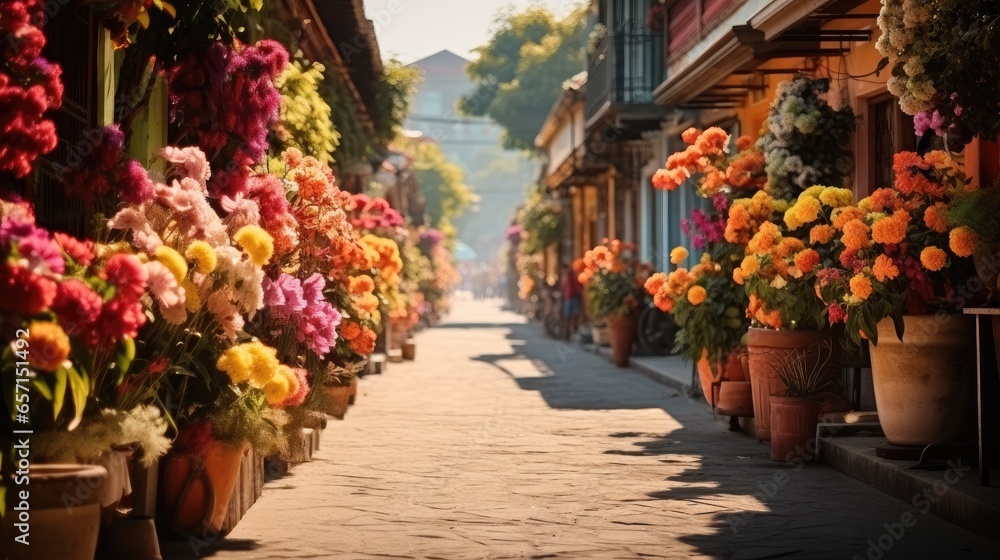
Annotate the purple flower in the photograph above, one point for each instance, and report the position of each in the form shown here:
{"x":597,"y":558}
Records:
{"x":134,"y":186}
{"x":14,"y":228}
{"x":42,"y":252}
{"x":317,"y":326}
{"x":284,"y":296}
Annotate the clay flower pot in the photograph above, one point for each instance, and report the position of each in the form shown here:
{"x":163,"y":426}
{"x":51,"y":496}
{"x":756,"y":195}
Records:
{"x":623,"y":330}
{"x":767,"y":349}
{"x":64,"y":513}
{"x":729,"y":369}
{"x":735,"y":399}
{"x":336,"y":400}
{"x":409,"y":349}
{"x":793,"y":425}
{"x":195,"y":489}
{"x":925,"y":384}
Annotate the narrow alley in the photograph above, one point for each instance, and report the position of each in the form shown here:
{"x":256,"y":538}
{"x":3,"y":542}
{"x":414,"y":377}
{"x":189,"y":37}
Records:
{"x":500,"y":443}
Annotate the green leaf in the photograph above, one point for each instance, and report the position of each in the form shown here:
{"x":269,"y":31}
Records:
{"x":80,"y":389}
{"x":42,"y":388}
{"x":897,"y":321}
{"x":59,"y":392}
{"x":124,"y":357}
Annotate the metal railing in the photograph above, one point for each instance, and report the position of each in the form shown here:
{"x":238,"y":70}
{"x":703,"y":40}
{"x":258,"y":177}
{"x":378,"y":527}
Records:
{"x":625,"y":69}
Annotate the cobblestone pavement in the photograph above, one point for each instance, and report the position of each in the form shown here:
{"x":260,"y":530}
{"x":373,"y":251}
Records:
{"x":500,"y":443}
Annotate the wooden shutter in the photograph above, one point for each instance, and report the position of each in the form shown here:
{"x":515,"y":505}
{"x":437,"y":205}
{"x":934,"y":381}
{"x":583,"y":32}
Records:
{"x":682,"y":21}
{"x":712,"y":8}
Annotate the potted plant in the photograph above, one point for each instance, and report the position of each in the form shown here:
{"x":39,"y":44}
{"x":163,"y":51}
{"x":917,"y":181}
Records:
{"x":977,"y":210}
{"x":795,"y":410}
{"x":705,"y":302}
{"x":903,"y":277}
{"x":613,"y":283}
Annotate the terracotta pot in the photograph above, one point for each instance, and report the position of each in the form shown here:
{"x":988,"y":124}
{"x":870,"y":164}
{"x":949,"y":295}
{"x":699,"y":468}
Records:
{"x":130,"y":537}
{"x":623,"y":332}
{"x":925,"y":384}
{"x":63,"y":515}
{"x":793,"y":428}
{"x":729,"y":369}
{"x":735,"y":399}
{"x":336,"y":400}
{"x":410,"y":349}
{"x":767,"y":349}
{"x":195,"y":489}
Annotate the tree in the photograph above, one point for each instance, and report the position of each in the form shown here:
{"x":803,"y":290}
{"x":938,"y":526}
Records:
{"x":443,"y":185}
{"x":391,"y":105}
{"x":520,"y":71}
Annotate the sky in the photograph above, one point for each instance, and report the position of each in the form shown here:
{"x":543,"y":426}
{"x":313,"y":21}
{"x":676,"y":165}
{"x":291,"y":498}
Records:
{"x":413,"y":29}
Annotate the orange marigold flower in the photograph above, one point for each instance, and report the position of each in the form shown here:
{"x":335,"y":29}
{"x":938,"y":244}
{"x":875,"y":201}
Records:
{"x":350,"y":330}
{"x":935,"y":217}
{"x":749,"y":265}
{"x":861,"y":286}
{"x":889,"y":230}
{"x":367,"y":302}
{"x":655,"y":282}
{"x":696,"y":295}
{"x":48,"y":344}
{"x":712,"y":141}
{"x":806,"y":260}
{"x":933,"y":258}
{"x":690,"y":136}
{"x":678,"y":255}
{"x":766,"y":237}
{"x":789,"y":246}
{"x":738,"y":276}
{"x":884,"y":269}
{"x":361,"y":284}
{"x":821,"y":234}
{"x":962,"y":241}
{"x":663,"y":302}
{"x":664,"y":180}
{"x":365,"y":342}
{"x":846,"y":214}
{"x":904,"y":162}
{"x":714,"y":181}
{"x":855,"y":235}
{"x":744,"y":142}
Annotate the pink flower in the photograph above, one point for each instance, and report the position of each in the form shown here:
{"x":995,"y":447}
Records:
{"x":80,"y":251}
{"x":42,"y":253}
{"x":284,"y":296}
{"x":134,"y":184}
{"x":143,"y":235}
{"x":163,"y":285}
{"x":836,"y":314}
{"x":226,"y":314}
{"x":22,"y":291}
{"x":16,"y":227}
{"x":120,"y":318}
{"x":190,"y":162}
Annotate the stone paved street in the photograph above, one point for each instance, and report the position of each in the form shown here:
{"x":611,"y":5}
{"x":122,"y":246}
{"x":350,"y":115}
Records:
{"x":500,"y":443}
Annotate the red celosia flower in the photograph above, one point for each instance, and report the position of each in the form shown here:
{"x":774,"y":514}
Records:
{"x":77,"y":306}
{"x":22,"y":291}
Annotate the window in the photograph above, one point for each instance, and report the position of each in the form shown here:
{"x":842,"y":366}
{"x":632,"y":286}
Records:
{"x":431,"y":103}
{"x":889,"y":131}
{"x":690,"y":19}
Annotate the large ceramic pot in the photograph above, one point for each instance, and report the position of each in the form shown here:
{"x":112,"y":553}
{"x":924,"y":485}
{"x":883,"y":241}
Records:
{"x":793,"y":427}
{"x":768,"y":349}
{"x":623,"y":330}
{"x":195,"y":489}
{"x":925,"y":384}
{"x":729,"y":369}
{"x":735,"y":399}
{"x":62,"y":514}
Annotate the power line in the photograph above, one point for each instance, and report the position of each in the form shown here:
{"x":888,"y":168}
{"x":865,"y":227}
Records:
{"x":451,"y":120}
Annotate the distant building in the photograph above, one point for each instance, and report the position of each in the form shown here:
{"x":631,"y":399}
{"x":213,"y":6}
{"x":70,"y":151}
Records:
{"x":499,"y":177}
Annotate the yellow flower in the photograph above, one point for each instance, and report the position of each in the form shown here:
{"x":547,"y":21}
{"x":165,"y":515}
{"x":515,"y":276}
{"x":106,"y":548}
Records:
{"x":836,"y":197}
{"x":48,"y":345}
{"x":192,"y":299}
{"x":276,"y":391}
{"x":806,"y":210}
{"x":678,"y":255}
{"x":861,"y":286}
{"x":962,"y":241}
{"x":749,"y":265}
{"x":814,"y":191}
{"x":933,"y":258}
{"x":202,"y":255}
{"x":236,"y":362}
{"x":173,"y":261}
{"x":256,"y":243}
{"x":696,"y":295}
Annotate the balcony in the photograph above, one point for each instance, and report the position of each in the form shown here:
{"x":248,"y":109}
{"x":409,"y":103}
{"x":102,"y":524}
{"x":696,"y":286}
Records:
{"x":624,"y":71}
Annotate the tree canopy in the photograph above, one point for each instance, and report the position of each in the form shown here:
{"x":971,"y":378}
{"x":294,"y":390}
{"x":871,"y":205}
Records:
{"x":443,"y":185}
{"x":520,"y":71}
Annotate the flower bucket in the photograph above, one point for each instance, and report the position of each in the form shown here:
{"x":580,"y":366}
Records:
{"x":793,"y":428}
{"x":711,"y":378}
{"x":65,"y":514}
{"x":623,"y":332}
{"x":195,"y":489}
{"x":336,"y":399}
{"x":925,"y":384}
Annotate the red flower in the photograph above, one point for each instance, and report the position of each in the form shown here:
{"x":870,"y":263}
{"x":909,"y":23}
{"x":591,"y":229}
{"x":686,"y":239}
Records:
{"x":24,"y":292}
{"x":80,"y":251}
{"x":77,"y":306}
{"x":120,"y":318}
{"x":836,"y":314}
{"x":127,"y":274}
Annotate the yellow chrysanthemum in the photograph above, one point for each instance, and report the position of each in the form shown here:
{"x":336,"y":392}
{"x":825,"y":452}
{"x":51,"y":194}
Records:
{"x":256,"y":243}
{"x":933,"y":258}
{"x":203,"y":256}
{"x":696,"y":295}
{"x":173,"y":261}
{"x":276,"y":391}
{"x":812,"y":192}
{"x":836,"y":197}
{"x":48,"y":345}
{"x":861,"y":286}
{"x":749,"y":266}
{"x":807,"y":210}
{"x":962,"y":241}
{"x":192,"y":299}
{"x":678,"y":255}
{"x":236,"y":362}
